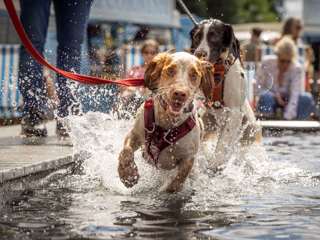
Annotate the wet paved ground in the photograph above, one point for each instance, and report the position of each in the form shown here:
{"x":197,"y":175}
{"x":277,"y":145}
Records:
{"x":20,"y":158}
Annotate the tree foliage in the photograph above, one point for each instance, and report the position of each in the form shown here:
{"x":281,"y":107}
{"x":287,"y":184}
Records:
{"x":235,"y":11}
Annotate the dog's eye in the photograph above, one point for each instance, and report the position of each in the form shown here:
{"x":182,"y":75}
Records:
{"x":193,"y":77}
{"x":171,"y":72}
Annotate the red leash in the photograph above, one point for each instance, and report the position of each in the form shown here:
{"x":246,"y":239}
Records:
{"x":74,"y":76}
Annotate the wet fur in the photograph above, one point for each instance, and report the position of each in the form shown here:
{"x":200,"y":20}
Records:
{"x":212,"y":40}
{"x":166,"y":73}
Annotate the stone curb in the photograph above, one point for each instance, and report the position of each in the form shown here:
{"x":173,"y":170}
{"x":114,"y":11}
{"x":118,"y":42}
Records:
{"x":18,"y":172}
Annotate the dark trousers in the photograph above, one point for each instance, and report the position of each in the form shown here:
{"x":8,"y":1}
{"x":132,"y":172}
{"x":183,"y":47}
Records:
{"x":267,"y":104}
{"x":71,"y":18}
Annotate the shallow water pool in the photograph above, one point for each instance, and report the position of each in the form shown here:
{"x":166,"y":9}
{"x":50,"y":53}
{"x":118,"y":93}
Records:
{"x":265,"y":192}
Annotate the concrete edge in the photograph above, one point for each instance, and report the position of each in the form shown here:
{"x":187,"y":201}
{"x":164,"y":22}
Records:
{"x":19,"y":172}
{"x":278,"y":125}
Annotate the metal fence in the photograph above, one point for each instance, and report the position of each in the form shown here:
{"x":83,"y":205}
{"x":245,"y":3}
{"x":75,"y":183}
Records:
{"x":10,"y":98}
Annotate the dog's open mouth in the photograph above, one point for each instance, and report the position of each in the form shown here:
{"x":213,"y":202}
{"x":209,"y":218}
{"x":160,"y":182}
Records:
{"x":176,"y":106}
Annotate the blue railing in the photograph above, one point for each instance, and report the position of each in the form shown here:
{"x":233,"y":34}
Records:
{"x":10,"y":98}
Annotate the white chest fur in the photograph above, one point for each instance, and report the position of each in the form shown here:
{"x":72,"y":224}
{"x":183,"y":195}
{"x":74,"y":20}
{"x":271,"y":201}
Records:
{"x":235,"y":86}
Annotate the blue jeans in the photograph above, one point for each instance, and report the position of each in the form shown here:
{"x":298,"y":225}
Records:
{"x":71,"y":20}
{"x":267,"y":104}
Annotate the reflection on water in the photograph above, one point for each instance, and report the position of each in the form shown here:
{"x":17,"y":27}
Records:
{"x":269,"y":192}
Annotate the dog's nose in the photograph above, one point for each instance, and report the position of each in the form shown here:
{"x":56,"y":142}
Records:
{"x":201,"y":53}
{"x":180,"y":95}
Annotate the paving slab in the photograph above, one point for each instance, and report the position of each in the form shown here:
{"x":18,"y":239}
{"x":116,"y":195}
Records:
{"x":19,"y":158}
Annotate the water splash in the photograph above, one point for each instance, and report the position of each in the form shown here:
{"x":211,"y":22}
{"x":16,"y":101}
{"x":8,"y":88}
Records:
{"x":248,"y":171}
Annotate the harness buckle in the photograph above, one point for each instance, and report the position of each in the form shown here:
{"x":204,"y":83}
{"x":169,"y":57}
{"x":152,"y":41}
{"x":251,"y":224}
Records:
{"x":166,"y":139}
{"x":217,"y":104}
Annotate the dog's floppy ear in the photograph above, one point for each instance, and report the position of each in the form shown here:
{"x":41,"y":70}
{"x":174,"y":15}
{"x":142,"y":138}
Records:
{"x":192,"y":33}
{"x":230,"y":41}
{"x":207,"y":80}
{"x":153,"y":71}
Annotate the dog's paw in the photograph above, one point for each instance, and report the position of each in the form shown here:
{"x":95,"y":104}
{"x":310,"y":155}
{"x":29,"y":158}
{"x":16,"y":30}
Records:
{"x":127,"y":169}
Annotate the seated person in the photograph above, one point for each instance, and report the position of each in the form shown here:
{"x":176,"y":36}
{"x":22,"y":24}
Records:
{"x":280,"y":80}
{"x":132,"y":97}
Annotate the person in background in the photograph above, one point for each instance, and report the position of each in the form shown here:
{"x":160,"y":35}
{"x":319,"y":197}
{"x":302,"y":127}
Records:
{"x":132,"y":97}
{"x":71,"y":19}
{"x":149,"y":49}
{"x":293,"y":27}
{"x":280,"y":79}
{"x":252,"y":49}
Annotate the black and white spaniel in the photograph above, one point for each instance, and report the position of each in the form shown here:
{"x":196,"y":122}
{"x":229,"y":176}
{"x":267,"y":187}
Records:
{"x":230,"y":114}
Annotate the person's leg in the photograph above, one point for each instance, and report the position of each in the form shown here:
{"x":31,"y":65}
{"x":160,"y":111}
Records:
{"x":34,"y":17}
{"x":71,"y":21}
{"x":267,"y":104}
{"x":306,"y":106}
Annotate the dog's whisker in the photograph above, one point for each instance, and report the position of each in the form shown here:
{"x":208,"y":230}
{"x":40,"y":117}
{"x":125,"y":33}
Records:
{"x":163,"y":88}
{"x":159,"y":93}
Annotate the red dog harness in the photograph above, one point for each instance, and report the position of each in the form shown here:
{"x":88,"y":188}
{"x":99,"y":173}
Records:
{"x":221,"y":68}
{"x":217,"y":98}
{"x":158,"y":138}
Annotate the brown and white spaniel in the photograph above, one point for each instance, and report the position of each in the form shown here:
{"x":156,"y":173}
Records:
{"x":230,"y":114}
{"x":166,"y":126}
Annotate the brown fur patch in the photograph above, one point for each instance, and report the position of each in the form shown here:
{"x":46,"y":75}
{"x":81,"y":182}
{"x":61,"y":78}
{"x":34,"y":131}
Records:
{"x":154,"y":70}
